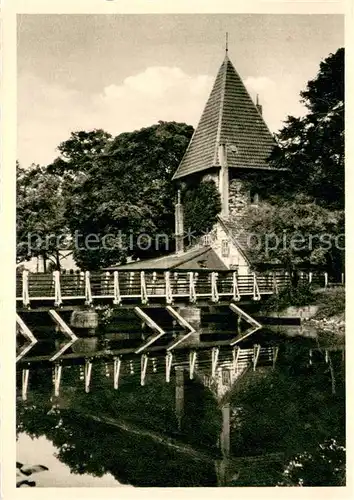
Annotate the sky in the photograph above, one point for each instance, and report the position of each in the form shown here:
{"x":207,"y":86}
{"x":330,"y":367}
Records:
{"x":124,"y":72}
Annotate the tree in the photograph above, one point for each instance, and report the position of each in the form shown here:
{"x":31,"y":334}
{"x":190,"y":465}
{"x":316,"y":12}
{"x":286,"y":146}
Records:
{"x":126,"y":198}
{"x":41,"y":225}
{"x":78,"y":153}
{"x":116,"y":195}
{"x":296,"y":232}
{"x":306,"y":200}
{"x":312,"y":147}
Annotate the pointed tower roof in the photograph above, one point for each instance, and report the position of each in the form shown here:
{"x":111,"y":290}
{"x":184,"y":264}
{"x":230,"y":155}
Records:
{"x":229,"y":117}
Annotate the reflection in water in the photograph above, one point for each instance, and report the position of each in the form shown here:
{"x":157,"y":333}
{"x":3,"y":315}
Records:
{"x":87,"y":437}
{"x":24,"y":473}
{"x":59,"y":474}
{"x":104,"y":433}
{"x":132,"y":433}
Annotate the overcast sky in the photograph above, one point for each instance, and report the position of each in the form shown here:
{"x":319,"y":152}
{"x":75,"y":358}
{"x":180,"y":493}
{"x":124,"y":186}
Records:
{"x":120,"y":73}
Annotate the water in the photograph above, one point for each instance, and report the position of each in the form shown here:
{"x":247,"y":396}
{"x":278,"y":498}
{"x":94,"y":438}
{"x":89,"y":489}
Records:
{"x":41,"y":449}
{"x":126,"y":437}
{"x":118,"y":437}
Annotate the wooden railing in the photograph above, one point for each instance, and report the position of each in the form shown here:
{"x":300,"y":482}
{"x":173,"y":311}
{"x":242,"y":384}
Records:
{"x":144,"y":286}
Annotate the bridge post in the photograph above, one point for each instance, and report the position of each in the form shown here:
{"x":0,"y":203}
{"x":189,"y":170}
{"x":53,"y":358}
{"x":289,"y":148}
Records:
{"x":192,"y":295}
{"x":57,"y":290}
{"x":256,"y":294}
{"x":88,"y":293}
{"x":25,"y":288}
{"x":235,"y":290}
{"x":256,"y":352}
{"x":275,"y":355}
{"x":117,"y":298}
{"x":179,"y":395}
{"x":214,"y":360}
{"x":88,"y":371}
{"x":275,"y":284}
{"x":235,"y":356}
{"x":168,"y":290}
{"x":214,"y":287}
{"x":144,"y":362}
{"x":143,"y":290}
{"x":326,"y":279}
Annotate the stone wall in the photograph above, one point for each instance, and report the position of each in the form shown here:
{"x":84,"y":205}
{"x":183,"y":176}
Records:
{"x":238,"y":197}
{"x":211,"y":177}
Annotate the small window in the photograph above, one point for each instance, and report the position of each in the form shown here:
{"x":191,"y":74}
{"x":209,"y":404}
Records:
{"x":225,"y":248}
{"x":206,"y":240}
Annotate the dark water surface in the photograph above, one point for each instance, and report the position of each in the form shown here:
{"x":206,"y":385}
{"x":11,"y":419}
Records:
{"x":118,"y":437}
{"x":124,"y":437}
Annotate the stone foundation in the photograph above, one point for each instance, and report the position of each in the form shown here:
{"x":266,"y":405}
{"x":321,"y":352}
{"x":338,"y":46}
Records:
{"x":85,"y":319}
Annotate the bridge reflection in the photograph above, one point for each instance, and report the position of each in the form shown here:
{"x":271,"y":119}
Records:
{"x":133,"y":436}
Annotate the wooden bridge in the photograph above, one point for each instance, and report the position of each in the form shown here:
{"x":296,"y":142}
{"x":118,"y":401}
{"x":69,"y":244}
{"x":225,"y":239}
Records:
{"x":153,"y":287}
{"x":166,"y":291}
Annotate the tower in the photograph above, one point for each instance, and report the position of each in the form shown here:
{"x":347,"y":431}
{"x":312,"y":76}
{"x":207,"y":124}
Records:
{"x":230,"y":141}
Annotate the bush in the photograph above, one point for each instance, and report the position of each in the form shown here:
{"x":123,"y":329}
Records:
{"x":301,"y":295}
{"x":332,"y":303}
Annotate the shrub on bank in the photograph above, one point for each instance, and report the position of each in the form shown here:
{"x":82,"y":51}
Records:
{"x":300,"y":295}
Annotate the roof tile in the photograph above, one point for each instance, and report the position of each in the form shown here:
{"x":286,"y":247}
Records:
{"x":230,"y":116}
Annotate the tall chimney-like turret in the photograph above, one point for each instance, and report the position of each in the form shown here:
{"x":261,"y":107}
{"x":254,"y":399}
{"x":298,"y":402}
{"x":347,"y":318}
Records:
{"x":258,"y":106}
{"x":179,"y":225}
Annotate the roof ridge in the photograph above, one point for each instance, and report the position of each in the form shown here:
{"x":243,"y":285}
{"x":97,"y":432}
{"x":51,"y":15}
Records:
{"x":221,"y":110}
